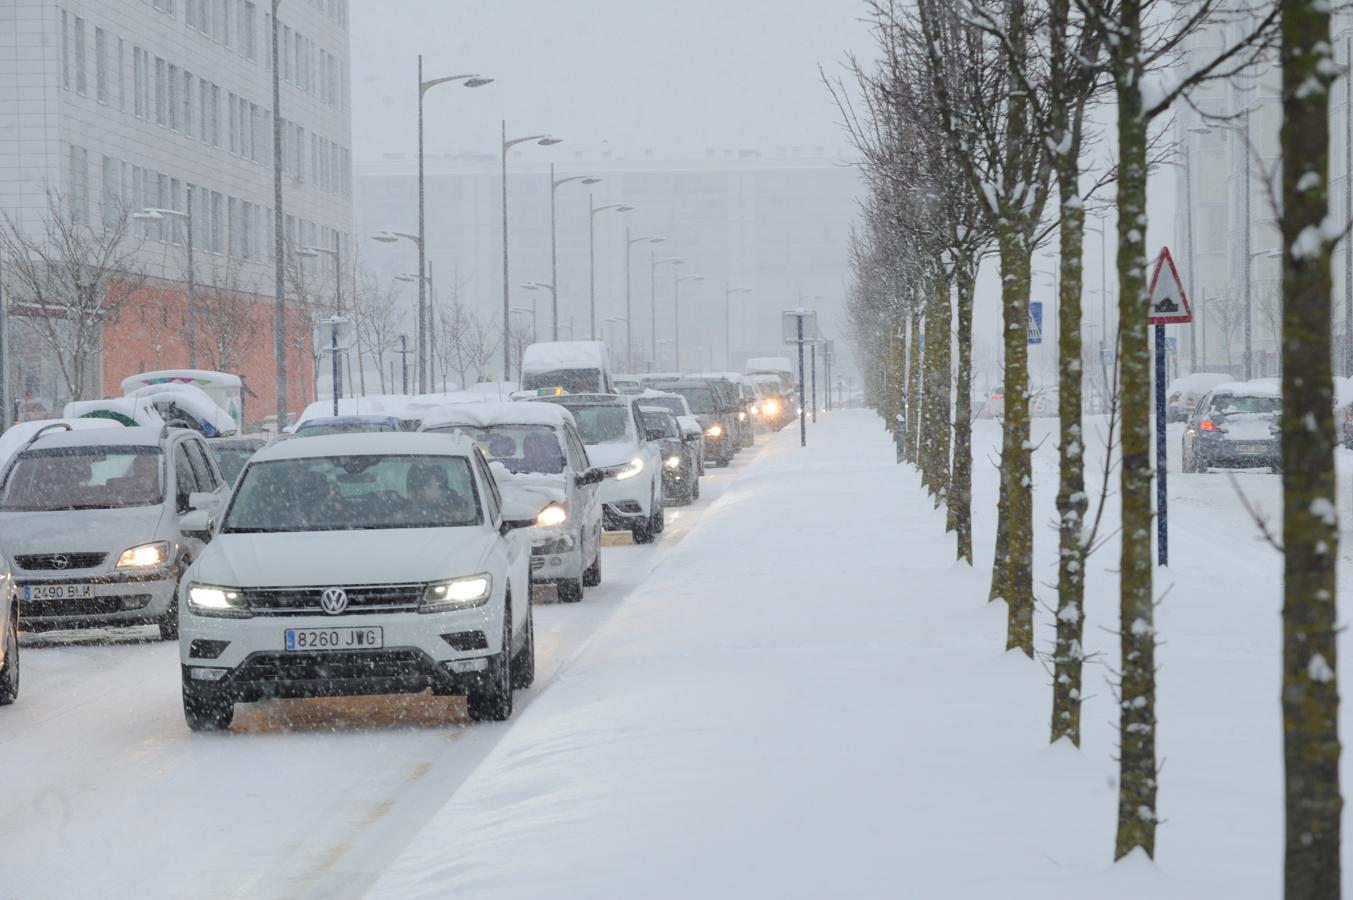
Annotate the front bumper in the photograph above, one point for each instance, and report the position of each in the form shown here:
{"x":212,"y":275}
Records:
{"x":247,"y":659}
{"x":556,"y":560}
{"x":721,"y":448}
{"x":119,"y":599}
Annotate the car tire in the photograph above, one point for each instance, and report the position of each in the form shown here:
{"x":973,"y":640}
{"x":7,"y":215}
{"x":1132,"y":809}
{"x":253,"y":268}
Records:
{"x":206,"y":709}
{"x":524,"y":662}
{"x":492,"y":702}
{"x":9,"y":673}
{"x":592,"y":574}
{"x":570,"y":590}
{"x":643,"y":532}
{"x":1186,"y":459}
{"x":659,"y":519}
{"x":169,"y":625}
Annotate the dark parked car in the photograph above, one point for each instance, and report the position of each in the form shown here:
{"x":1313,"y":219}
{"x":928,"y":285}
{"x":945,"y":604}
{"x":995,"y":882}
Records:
{"x":1235,"y":425}
{"x":715,"y":416}
{"x":680,"y":468}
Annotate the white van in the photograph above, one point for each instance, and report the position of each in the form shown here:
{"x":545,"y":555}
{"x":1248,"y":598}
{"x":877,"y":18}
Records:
{"x":578,"y":367}
{"x":778,"y":366}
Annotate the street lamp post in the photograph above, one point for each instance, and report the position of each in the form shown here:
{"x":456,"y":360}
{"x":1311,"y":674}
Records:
{"x":156,"y":214}
{"x":543,"y":140}
{"x":279,"y":325}
{"x":592,"y":257}
{"x":629,"y":248}
{"x":676,"y":312}
{"x":654,"y":262}
{"x":469,"y":81}
{"x":555,"y":184}
{"x":728,"y":292}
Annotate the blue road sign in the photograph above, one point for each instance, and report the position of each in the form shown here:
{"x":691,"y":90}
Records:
{"x":1035,"y":322}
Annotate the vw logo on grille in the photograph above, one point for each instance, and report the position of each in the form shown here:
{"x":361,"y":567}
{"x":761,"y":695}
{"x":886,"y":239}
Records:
{"x":60,"y":561}
{"x":334,"y":600}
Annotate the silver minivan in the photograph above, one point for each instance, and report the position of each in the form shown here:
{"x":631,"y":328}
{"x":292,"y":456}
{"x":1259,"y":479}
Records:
{"x":101,"y":524}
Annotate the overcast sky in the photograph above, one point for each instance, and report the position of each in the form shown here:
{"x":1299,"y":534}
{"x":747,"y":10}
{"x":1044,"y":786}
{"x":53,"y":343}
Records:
{"x":674,"y":76}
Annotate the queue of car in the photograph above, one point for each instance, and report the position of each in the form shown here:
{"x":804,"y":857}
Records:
{"x":393,"y":550}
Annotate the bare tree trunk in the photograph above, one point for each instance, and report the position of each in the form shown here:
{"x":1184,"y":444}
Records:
{"x":960,"y":479}
{"x":913,"y":421}
{"x":939,"y":320}
{"x":1137,"y":634}
{"x":1310,"y":693}
{"x":1072,"y":501}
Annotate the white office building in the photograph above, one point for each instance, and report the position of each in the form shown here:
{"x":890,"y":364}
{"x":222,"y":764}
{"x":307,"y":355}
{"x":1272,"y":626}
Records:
{"x":120,"y":105}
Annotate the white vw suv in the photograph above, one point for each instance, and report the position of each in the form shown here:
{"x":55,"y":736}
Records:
{"x":359,"y":564}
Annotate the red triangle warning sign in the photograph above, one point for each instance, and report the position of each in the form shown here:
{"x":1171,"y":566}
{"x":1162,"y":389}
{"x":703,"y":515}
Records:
{"x":1169,"y":304}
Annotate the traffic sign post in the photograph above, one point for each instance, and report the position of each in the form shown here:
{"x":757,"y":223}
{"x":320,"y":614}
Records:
{"x":797,"y":326}
{"x":1169,"y":306}
{"x":340,"y":338}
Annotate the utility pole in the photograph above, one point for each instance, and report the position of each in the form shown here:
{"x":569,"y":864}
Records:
{"x":279,"y":325}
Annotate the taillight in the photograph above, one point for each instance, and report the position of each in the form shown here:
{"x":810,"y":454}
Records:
{"x":1208,"y":425}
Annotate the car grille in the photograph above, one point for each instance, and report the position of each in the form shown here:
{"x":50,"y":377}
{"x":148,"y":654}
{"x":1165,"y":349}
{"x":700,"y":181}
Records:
{"x":346,"y":665}
{"x":361,"y":600}
{"x":59,"y":562}
{"x":88,"y":606}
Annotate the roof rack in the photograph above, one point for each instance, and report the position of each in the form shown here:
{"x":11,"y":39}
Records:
{"x":44,"y":429}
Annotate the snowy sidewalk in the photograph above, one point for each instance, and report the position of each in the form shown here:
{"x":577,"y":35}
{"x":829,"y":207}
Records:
{"x":807,"y":699}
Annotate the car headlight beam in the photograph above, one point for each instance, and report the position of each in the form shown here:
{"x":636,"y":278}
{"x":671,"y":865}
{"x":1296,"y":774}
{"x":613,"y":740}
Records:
{"x":632,"y":468}
{"x":673,"y":462}
{"x":144,"y":556}
{"x":552,"y":515}
{"x":221,"y":602}
{"x":714,"y":430}
{"x":457,"y":593}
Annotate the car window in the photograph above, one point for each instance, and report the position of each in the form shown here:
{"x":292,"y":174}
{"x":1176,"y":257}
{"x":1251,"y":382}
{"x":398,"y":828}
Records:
{"x":518,"y":448}
{"x":185,"y":479}
{"x":83,"y":478}
{"x":493,"y":500}
{"x":604,"y":423}
{"x":202,"y":467}
{"x":577,"y":452}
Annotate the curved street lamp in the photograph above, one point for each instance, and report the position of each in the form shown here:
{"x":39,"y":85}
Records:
{"x":544,"y":140}
{"x":555,"y":185}
{"x":592,"y":258}
{"x":472,"y":80}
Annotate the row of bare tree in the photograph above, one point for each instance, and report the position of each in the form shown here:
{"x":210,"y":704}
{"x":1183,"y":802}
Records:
{"x":975,"y":132}
{"x":71,"y":277}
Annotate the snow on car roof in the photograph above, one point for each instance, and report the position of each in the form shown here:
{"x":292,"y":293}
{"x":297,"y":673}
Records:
{"x":1197,"y":382}
{"x":1248,"y":389}
{"x":550,"y":355}
{"x":115,"y":436}
{"x":348,"y":420}
{"x":495,"y":413}
{"x":368,"y":443}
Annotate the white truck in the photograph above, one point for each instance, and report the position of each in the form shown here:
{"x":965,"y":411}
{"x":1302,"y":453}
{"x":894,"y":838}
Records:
{"x":577,"y":367}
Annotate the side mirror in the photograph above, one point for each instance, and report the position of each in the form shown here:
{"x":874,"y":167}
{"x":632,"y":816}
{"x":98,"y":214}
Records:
{"x":591,"y":476}
{"x":196,"y":524}
{"x":201,"y":500}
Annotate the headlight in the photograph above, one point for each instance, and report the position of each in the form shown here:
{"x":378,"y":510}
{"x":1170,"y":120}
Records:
{"x":714,"y":430}
{"x":224,"y":602}
{"x":771,"y":407}
{"x":146,"y":556}
{"x":756,"y":410}
{"x":632,"y":468}
{"x":457,"y":593}
{"x":673,"y":462}
{"x":552,"y":515}
{"x":742,"y":416}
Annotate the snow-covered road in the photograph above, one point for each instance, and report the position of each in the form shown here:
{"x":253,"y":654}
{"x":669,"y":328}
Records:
{"x":107,"y":794}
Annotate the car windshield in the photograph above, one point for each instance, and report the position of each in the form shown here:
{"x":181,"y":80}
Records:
{"x":319,"y":430}
{"x":519,"y":448}
{"x":1233,"y":404}
{"x":700,"y":399}
{"x":671,"y":404}
{"x":602,"y":424}
{"x":83,"y":478}
{"x":573,"y":381}
{"x":658,"y":422}
{"x":348,"y":493}
{"x":232,"y":460}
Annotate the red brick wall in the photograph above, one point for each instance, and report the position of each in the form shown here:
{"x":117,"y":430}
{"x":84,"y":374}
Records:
{"x":149,"y":333}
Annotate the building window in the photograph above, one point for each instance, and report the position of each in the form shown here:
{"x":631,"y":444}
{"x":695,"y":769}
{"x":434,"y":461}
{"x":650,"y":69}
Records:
{"x":121,"y":76}
{"x":110,"y":203}
{"x":175,"y":101}
{"x":161,"y":94}
{"x":188,"y":126}
{"x":236,"y":232}
{"x":101,"y":77}
{"x":79,"y":185}
{"x":247,"y":238}
{"x":165,"y":6}
{"x":248,"y":37}
{"x":218,"y":235}
{"x":138,"y":84}
{"x":81,"y":75}
{"x":232,"y":114}
{"x":216,"y":115}
{"x":65,"y":50}
{"x":229,"y":38}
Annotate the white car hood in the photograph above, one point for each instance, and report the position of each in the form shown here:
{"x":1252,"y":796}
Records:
{"x":80,"y":530}
{"x":524,"y":496}
{"x":300,"y":559}
{"x":603,"y":455}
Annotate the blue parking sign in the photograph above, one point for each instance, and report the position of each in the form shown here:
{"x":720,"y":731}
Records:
{"x":1035,"y":322}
